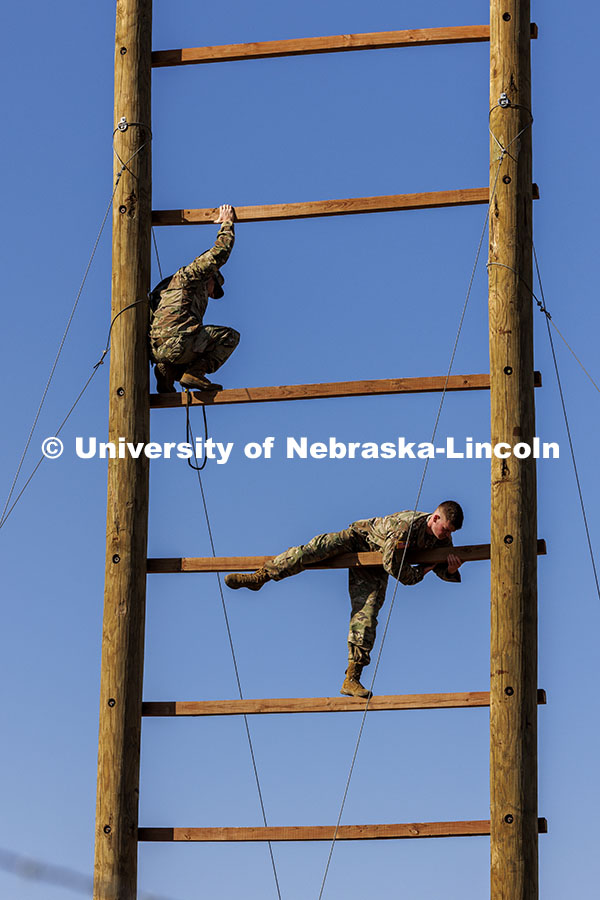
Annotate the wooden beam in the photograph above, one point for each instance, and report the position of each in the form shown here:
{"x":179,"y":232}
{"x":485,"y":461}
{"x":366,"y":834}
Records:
{"x":353,"y":205}
{"x":473,"y":828}
{"x":313,"y":208}
{"x":270,"y":706}
{"x":513,"y":645}
{"x":327,"y":390}
{"x":115,"y":866}
{"x":164,"y":565}
{"x":378,"y":40}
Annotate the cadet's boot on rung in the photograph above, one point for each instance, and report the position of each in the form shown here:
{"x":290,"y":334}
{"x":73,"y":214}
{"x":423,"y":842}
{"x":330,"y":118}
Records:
{"x":352,"y":686}
{"x":252,"y":580}
{"x":197,"y":382}
{"x":165,"y":374}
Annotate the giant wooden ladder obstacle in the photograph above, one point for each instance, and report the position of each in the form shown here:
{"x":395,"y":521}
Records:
{"x":513,"y":826}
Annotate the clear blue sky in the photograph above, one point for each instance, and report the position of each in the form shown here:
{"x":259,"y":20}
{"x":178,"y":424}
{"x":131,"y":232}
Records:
{"x":318,"y":300}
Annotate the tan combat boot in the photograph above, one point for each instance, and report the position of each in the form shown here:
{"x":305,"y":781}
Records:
{"x":195,"y":381}
{"x":352,"y":686}
{"x":166,"y":374}
{"x":252,"y":580}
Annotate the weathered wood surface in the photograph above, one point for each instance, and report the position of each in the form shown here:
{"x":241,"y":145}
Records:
{"x":513,"y":713}
{"x":352,"y":205}
{"x":312,"y":208}
{"x":472,"y":828}
{"x":115,"y":868}
{"x":415,"y":37}
{"x":327,"y":390}
{"x":163,"y":565}
{"x":470,"y":699}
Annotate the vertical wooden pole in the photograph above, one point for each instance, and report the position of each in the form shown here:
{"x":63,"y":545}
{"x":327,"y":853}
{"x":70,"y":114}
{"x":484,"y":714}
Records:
{"x":127,"y":513}
{"x":513,"y":711}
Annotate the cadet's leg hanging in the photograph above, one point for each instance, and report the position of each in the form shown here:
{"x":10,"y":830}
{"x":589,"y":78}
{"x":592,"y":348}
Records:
{"x":367,"y":593}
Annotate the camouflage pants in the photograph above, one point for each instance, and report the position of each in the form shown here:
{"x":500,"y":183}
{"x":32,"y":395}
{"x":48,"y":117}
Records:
{"x":206,"y":350}
{"x":367,"y":585}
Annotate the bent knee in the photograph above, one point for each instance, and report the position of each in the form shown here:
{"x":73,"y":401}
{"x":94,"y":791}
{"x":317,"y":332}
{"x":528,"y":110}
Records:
{"x":233,"y":337}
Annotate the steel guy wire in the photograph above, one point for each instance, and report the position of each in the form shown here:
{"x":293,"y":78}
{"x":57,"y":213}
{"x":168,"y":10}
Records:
{"x":237,"y":676}
{"x":425,"y":467}
{"x":157,"y":256}
{"x":4,"y":516}
{"x":564,"y":409}
{"x":509,"y":105}
{"x":100,"y":362}
{"x":549,"y":317}
{"x":543,"y":308}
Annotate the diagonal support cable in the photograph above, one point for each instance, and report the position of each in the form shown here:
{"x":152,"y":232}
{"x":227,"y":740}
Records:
{"x":236,"y":670}
{"x":425,"y":468}
{"x":566,"y":418}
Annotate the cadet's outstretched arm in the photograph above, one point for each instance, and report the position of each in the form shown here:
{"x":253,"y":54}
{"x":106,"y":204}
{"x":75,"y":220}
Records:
{"x":226,"y":236}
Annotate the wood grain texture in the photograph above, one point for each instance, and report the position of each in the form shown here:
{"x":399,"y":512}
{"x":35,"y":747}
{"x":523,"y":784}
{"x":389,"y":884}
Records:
{"x":415,"y":37}
{"x":164,"y":565}
{"x":327,"y":390}
{"x":347,"y":207}
{"x":115,"y":868}
{"x":513,"y":712}
{"x":470,"y":699}
{"x":471,"y":828}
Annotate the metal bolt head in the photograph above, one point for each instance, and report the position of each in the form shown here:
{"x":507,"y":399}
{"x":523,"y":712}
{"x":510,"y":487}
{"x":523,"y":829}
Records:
{"x":507,"y":690}
{"x":506,"y":17}
{"x":120,"y":392}
{"x":123,"y":125}
{"x":111,"y":702}
{"x":508,"y":539}
{"x":123,"y":51}
{"x":107,"y":829}
{"x":122,"y":209}
{"x":508,"y":370}
{"x":509,"y":819}
{"x":503,"y":101}
{"x":116,"y":558}
{"x":507,"y":179}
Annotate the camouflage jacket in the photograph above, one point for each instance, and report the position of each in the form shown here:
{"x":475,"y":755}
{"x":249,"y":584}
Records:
{"x":179,"y":302}
{"x":387,"y":532}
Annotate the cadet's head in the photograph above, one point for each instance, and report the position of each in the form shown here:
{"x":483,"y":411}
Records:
{"x":448,"y":517}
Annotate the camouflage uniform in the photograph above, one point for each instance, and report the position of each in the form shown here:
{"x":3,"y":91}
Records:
{"x":367,"y":585}
{"x":178,"y":304}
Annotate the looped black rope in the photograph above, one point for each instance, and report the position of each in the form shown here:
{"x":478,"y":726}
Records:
{"x":189,"y":436}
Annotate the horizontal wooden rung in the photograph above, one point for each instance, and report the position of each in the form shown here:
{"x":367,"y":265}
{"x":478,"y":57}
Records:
{"x":472,"y":828}
{"x":468,"y":553}
{"x":312,"y":208}
{"x":470,"y":699}
{"x":329,"y":390}
{"x":415,"y":37}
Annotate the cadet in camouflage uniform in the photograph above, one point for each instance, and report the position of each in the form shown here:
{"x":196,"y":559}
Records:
{"x":368,"y":584}
{"x":183,"y":348}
